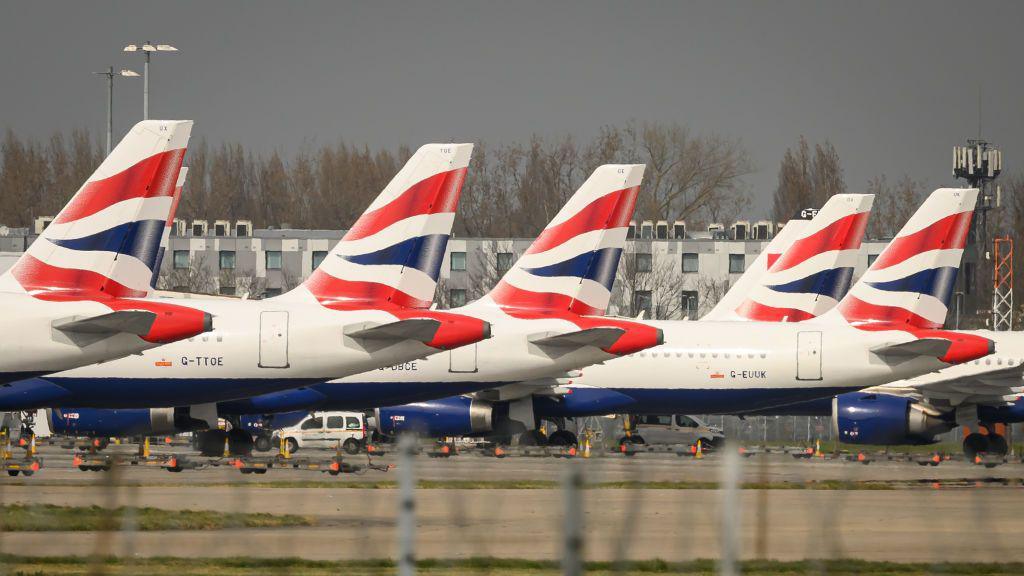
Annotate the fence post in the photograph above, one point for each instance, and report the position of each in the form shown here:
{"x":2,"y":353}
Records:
{"x":572,"y":554}
{"x":406,"y":506}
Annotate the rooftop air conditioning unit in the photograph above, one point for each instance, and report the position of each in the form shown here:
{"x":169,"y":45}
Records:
{"x":179,"y":227}
{"x":222,"y":228}
{"x":647,"y":230}
{"x":199,"y":227}
{"x":740,"y":230}
{"x":41,"y":223}
{"x":763,"y":230}
{"x":243,"y":228}
{"x":679,"y":230}
{"x":661,"y":230}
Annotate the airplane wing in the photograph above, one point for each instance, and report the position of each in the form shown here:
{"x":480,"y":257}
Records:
{"x":420,"y":329}
{"x":960,"y":385}
{"x":598,"y":337}
{"x":85,"y":331}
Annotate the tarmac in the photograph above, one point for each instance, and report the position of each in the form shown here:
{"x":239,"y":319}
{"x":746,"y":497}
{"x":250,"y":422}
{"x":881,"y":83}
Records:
{"x":953,"y":512}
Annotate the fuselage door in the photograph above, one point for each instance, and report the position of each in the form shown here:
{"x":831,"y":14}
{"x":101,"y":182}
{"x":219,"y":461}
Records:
{"x":273,"y":340}
{"x":462,"y":359}
{"x":808,"y":356}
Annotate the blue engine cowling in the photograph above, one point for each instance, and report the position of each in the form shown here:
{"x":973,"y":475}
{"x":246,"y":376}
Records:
{"x":120,"y":423}
{"x":881,"y":419}
{"x":453,"y":416}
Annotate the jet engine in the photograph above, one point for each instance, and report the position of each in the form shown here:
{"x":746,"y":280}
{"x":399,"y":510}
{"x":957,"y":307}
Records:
{"x":121,"y":423}
{"x":453,"y":416}
{"x":882,"y":419}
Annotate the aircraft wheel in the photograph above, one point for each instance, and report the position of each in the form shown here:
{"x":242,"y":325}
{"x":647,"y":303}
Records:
{"x":532,"y":438}
{"x":997,"y":445}
{"x":562,"y":438}
{"x":211,"y":442}
{"x":975,"y":444}
{"x":240,"y":443}
{"x":263,"y":443}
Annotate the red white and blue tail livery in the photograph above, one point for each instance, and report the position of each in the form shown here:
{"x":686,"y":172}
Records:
{"x":808,"y":275}
{"x":570,"y":267}
{"x":75,"y":293}
{"x":393,"y":253}
{"x":910,"y":282}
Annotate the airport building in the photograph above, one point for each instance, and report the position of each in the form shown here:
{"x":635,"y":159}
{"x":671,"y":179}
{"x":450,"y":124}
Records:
{"x":666,"y":271}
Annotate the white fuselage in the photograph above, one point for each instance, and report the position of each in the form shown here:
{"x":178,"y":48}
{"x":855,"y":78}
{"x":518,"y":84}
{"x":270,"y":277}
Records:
{"x":30,"y":345}
{"x":733,"y":367}
{"x":255,"y":347}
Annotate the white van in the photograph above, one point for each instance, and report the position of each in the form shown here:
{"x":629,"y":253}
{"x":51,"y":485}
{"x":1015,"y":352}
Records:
{"x":326,"y":430}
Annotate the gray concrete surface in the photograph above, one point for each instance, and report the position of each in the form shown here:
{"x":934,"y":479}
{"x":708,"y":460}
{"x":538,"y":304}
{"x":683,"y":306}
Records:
{"x":921,"y":524}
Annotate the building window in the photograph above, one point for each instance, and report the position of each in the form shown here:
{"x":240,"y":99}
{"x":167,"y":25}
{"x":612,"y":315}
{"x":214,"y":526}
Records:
{"x":318,"y":258}
{"x":691,"y":262}
{"x":458,"y":261}
{"x":271,"y":292}
{"x":644,"y":262}
{"x":642,"y":303}
{"x":457,"y":297}
{"x":181,"y":259}
{"x":871,"y":259}
{"x":227,"y":291}
{"x":273,"y":259}
{"x":690,"y":304}
{"x":227,"y":259}
{"x":504,"y":262}
{"x":737,"y":263}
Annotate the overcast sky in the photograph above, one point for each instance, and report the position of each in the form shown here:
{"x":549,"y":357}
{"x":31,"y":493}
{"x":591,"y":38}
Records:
{"x":894,"y":85}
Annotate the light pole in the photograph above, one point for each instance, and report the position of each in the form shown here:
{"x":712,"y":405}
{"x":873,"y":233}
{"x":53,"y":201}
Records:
{"x":109,"y":73}
{"x":147,"y":48}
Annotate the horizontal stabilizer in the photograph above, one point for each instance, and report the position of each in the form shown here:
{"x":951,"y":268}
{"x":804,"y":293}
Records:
{"x":599,"y":337}
{"x":934,"y":347}
{"x":420,"y":329}
{"x":128,"y":321}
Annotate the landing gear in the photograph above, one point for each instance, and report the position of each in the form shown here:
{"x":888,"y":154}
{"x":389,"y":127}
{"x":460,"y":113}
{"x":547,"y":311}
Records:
{"x":997,"y":445}
{"x":264,"y":443}
{"x":634,"y":439}
{"x":532,"y":438}
{"x":975,"y":444}
{"x":211,"y":442}
{"x":562,"y":438}
{"x":240,"y":442}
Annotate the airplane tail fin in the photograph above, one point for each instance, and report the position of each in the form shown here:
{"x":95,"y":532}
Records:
{"x":910,"y":283}
{"x":807,"y":277}
{"x":106,"y":239}
{"x":571,"y":265}
{"x":393,"y":253}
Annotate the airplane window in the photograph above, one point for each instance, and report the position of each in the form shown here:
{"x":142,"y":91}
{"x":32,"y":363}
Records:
{"x":763,"y":355}
{"x":751,"y":355}
{"x":714,"y":354}
{"x":999,"y":361}
{"x":988,"y":361}
{"x":726,"y":354}
{"x":691,"y":354}
{"x":702,"y":355}
{"x":313,"y":424}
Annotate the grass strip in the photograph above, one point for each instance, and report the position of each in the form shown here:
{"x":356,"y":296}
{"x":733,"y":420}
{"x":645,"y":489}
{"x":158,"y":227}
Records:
{"x":177,"y":566}
{"x":48,"y":517}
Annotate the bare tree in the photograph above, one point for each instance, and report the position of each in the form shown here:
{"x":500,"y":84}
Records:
{"x":195,"y":279}
{"x":893,"y":206}
{"x":807,"y":180}
{"x":644,"y":283}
